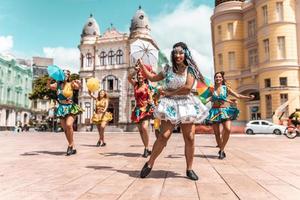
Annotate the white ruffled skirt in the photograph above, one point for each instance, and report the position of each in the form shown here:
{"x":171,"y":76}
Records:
{"x":181,"y":109}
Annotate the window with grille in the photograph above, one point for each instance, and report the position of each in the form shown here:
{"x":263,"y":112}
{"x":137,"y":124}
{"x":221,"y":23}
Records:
{"x":251,"y":29}
{"x":281,"y":46}
{"x":265,"y":14}
{"x":279,"y":11}
{"x":110,"y":57}
{"x":266,"y":49}
{"x":268,"y":106}
{"x":102,"y":57}
{"x":119,"y":57}
{"x":252,"y":57}
{"x":89,"y":59}
{"x":230,"y":30}
{"x":267,"y":83}
{"x":283,"y":81}
{"x":231,"y":59}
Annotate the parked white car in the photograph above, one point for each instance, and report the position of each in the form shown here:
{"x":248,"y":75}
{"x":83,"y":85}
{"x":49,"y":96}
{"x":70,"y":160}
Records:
{"x":263,"y":126}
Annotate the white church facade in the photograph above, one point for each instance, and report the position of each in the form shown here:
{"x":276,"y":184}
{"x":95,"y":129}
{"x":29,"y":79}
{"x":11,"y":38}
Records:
{"x":107,"y":57}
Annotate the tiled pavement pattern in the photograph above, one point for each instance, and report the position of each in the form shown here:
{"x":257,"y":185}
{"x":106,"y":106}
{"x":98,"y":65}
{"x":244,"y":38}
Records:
{"x":34,"y":166}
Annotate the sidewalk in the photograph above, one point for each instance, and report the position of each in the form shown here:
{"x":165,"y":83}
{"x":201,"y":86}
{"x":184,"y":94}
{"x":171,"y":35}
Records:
{"x":34,"y":166}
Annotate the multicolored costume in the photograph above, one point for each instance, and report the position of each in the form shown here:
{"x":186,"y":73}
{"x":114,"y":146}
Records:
{"x":219,"y":112}
{"x":179,"y":108}
{"x":99,"y":116}
{"x":65,"y":104}
{"x":144,"y":107}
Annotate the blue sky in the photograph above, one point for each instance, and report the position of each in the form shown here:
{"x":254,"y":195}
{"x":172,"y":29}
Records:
{"x":29,"y":27}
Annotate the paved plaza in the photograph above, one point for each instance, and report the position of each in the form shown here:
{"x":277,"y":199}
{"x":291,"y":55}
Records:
{"x":34,"y":166}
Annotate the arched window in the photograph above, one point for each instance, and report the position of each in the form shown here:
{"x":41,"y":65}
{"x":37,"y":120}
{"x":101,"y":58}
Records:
{"x":102,"y":57}
{"x":110,"y":57}
{"x":119,"y":57}
{"x":110,"y":83}
{"x":89,"y":59}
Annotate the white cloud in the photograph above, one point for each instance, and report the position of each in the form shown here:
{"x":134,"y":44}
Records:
{"x":6,"y":43}
{"x":190,"y":24}
{"x":66,"y":58}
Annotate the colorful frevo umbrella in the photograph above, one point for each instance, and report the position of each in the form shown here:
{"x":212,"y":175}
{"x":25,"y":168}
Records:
{"x":204,"y":89}
{"x":56,"y":73}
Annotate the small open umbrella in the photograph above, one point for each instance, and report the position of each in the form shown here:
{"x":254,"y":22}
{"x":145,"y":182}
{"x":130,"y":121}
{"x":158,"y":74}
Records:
{"x":56,"y":73}
{"x":145,"y":51}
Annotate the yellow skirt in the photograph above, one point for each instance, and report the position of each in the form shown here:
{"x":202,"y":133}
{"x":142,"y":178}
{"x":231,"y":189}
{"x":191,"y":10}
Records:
{"x":101,"y":117}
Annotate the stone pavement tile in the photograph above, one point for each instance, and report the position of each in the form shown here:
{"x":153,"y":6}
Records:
{"x":148,"y":188}
{"x":246,"y":188}
{"x":91,"y":196}
{"x":179,"y":187}
{"x":215,"y":191}
{"x":26,"y":195}
{"x":281,"y":190}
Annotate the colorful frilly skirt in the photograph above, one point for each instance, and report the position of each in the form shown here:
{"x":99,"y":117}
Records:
{"x":141,"y":113}
{"x":64,"y":110}
{"x":98,"y":118}
{"x":219,"y":115}
{"x":181,"y":109}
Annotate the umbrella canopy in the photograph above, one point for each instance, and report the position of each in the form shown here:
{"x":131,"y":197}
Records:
{"x":93,"y":84}
{"x":145,"y":51}
{"x":56,"y":73}
{"x":204,"y":89}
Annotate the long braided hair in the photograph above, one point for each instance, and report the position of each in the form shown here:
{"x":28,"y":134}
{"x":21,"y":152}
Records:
{"x":188,"y":60}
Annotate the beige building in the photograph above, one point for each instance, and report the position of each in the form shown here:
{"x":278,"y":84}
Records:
{"x":257,"y":44}
{"x":107,"y":57}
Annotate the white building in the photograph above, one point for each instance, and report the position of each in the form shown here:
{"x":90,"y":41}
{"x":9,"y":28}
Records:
{"x":107,"y":57}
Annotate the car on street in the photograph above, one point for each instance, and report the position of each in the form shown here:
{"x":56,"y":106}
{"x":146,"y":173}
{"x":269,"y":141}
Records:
{"x":263,"y":126}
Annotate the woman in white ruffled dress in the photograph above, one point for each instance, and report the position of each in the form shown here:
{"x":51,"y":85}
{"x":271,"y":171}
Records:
{"x":177,"y":106}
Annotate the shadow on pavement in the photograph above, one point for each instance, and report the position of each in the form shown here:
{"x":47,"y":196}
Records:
{"x":122,"y":154}
{"x":88,"y":145}
{"x":207,"y":156}
{"x":136,"y":173}
{"x":34,"y":153}
{"x":98,"y":167}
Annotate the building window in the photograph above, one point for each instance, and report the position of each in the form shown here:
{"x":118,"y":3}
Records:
{"x":219,"y":33}
{"x":102,"y":57}
{"x":284,"y":99}
{"x":283,"y":81}
{"x":279,"y":11}
{"x":230,"y":30}
{"x":8,"y":95}
{"x":268,"y":106}
{"x":110,"y":57}
{"x":119,"y":57}
{"x":252,"y":57}
{"x":265,"y":14}
{"x":266,"y":49}
{"x":251,"y":29}
{"x":9,"y":75}
{"x":231,"y":59}
{"x":110,"y":83}
{"x":220,"y":60}
{"x":267,"y":83}
{"x":281,"y":46}
{"x":89,"y":59}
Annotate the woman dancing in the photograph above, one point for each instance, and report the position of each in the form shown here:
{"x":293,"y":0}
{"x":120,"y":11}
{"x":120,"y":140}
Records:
{"x":67,"y":109}
{"x":144,"y":107}
{"x":178,"y":106}
{"x":220,"y":113}
{"x":101,"y":117}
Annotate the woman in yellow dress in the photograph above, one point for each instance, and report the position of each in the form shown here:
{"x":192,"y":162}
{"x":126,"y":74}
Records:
{"x":101,"y":116}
